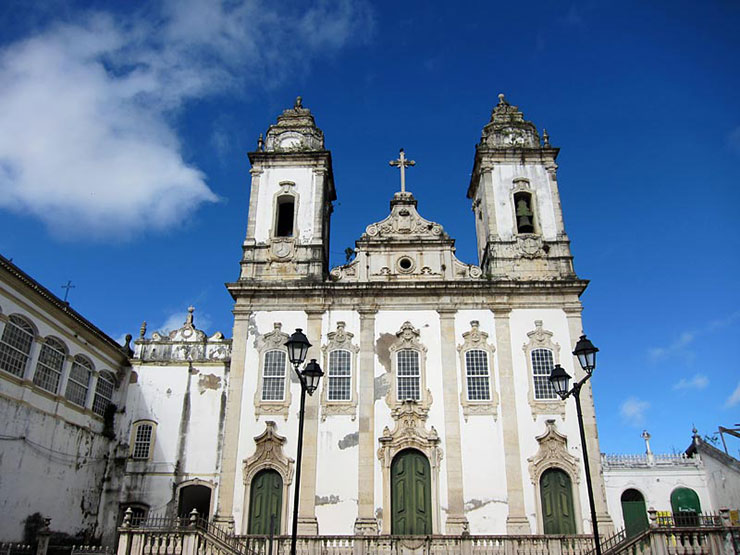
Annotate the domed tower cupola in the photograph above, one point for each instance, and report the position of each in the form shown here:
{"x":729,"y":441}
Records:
{"x":514,"y":190}
{"x":290,"y":201}
{"x":295,"y":131}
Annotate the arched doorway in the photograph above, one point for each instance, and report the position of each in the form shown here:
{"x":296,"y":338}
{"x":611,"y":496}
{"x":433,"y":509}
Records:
{"x":196,"y":497}
{"x":558,"y":516}
{"x":685,"y":507}
{"x":265,"y":503}
{"x":411,"y":494}
{"x":634,"y":512}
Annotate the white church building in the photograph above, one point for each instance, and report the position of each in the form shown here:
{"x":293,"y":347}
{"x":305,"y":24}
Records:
{"x":435,"y":415}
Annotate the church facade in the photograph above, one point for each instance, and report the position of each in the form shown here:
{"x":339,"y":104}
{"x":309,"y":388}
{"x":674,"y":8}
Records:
{"x":435,"y":415}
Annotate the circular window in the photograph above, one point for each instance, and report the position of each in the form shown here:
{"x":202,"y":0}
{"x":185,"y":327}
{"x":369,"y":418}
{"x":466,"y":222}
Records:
{"x":405,"y":264}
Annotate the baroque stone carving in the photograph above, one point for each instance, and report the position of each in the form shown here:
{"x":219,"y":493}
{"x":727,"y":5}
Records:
{"x":508,"y":128}
{"x":553,"y":452}
{"x":274,"y":340}
{"x":540,"y":338}
{"x":404,"y":220}
{"x":340,"y":340}
{"x":295,"y":131}
{"x":475,"y":339}
{"x":408,"y":338}
{"x":410,"y":432}
{"x":268,"y":454}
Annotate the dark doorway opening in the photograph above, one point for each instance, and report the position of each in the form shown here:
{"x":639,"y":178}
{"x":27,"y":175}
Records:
{"x":194,"y":497}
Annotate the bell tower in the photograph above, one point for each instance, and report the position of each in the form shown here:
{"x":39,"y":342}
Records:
{"x":289,"y":202}
{"x":514,"y":189}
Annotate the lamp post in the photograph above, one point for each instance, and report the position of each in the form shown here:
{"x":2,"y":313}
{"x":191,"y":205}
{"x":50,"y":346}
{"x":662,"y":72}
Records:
{"x":559,"y":378}
{"x":298,"y":346}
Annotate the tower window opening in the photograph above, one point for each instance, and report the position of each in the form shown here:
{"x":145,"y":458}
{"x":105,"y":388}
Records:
{"x":285,"y":216}
{"x":524,"y":213}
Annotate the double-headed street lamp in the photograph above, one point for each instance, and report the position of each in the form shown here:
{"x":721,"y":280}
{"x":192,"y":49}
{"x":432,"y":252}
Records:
{"x":559,"y":378}
{"x":298,"y":346}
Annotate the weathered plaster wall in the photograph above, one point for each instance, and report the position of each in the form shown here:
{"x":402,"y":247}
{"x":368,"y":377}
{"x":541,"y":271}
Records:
{"x":305,"y":188}
{"x":723,"y":481}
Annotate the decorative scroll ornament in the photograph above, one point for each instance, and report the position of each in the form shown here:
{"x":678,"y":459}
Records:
{"x":475,"y":339}
{"x":340,"y":340}
{"x":553,"y":453}
{"x":404,"y":221}
{"x":541,"y":338}
{"x":295,"y":131}
{"x":268,"y":453}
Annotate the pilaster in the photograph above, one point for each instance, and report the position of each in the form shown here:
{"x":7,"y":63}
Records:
{"x":229,"y":466}
{"x":516,"y":521}
{"x":575,"y":329}
{"x":366,"y":523}
{"x":307,"y":522}
{"x":456,"y":522}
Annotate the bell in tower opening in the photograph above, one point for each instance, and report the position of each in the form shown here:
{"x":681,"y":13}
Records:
{"x":524,"y":214}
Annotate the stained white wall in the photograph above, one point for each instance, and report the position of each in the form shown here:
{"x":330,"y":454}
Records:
{"x":269,"y":185}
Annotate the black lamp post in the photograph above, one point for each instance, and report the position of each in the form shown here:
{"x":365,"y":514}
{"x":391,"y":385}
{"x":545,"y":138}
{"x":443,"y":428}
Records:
{"x":559,"y":378}
{"x":298,"y":346}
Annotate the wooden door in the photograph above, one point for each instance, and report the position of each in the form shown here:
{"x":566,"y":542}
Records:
{"x":265,"y":503}
{"x":557,"y":502}
{"x":411,"y":494}
{"x":634,"y":512}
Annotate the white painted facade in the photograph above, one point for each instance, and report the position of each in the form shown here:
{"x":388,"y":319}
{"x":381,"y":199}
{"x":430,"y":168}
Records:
{"x":56,"y":455}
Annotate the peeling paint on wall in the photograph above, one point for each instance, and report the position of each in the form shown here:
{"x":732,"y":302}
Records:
{"x":208,"y":381}
{"x":383,"y":349}
{"x":474,"y":504}
{"x":381,"y":385}
{"x":327,"y":499}
{"x":253,"y":330}
{"x":350,"y":440}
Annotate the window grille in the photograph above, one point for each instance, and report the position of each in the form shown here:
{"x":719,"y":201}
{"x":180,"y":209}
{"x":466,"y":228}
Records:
{"x":49,"y":368}
{"x":273,"y":376}
{"x":476,"y":364}
{"x":15,"y":345}
{"x":78,"y":382}
{"x":409,"y":376}
{"x":542,"y":365}
{"x":142,"y":441}
{"x":103,"y":393}
{"x":340,"y":376}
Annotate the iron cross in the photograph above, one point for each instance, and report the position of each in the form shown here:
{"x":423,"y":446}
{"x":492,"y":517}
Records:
{"x":402,"y":163}
{"x":67,"y":287}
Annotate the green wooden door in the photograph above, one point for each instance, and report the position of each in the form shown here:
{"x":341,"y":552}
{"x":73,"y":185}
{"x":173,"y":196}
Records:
{"x":411,"y":494}
{"x":265,"y":502}
{"x":685,"y":506}
{"x":634,"y":512}
{"x":557,"y":502}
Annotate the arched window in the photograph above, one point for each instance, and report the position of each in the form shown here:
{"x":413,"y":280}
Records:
{"x":524,"y":212}
{"x":103,"y":393}
{"x":49,"y":368}
{"x":411,"y":494}
{"x":15,"y":345}
{"x":340,"y":375}
{"x":142,"y":440}
{"x":284,"y":219}
{"x":78,"y":382}
{"x":265,"y":503}
{"x":477,"y":380}
{"x":633,"y":512}
{"x":558,"y":516}
{"x":408,"y":375}
{"x":273,"y":376}
{"x":542,"y":365}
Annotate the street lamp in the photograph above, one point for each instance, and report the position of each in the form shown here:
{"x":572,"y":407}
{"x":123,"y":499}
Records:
{"x":559,"y":378}
{"x":298,"y":346}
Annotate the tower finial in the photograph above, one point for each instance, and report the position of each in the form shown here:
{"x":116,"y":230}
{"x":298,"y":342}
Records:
{"x":545,"y":137}
{"x":501,"y":99}
{"x":189,"y":320}
{"x":298,"y":103}
{"x":260,"y":143}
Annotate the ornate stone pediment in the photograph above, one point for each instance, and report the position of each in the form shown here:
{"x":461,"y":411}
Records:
{"x":410,"y":431}
{"x":268,"y":453}
{"x":404,"y":222}
{"x":553,"y":452}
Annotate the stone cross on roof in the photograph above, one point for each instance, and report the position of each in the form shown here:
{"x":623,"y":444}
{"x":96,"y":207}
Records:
{"x":402,"y":163}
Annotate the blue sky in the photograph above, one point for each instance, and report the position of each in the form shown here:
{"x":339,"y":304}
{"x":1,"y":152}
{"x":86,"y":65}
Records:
{"x":124,"y":130}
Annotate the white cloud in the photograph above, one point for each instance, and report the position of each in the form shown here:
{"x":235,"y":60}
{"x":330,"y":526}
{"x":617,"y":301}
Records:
{"x":734,"y":399}
{"x":698,"y":381}
{"x":88,"y":109}
{"x":680,"y":344}
{"x":633,"y":411}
